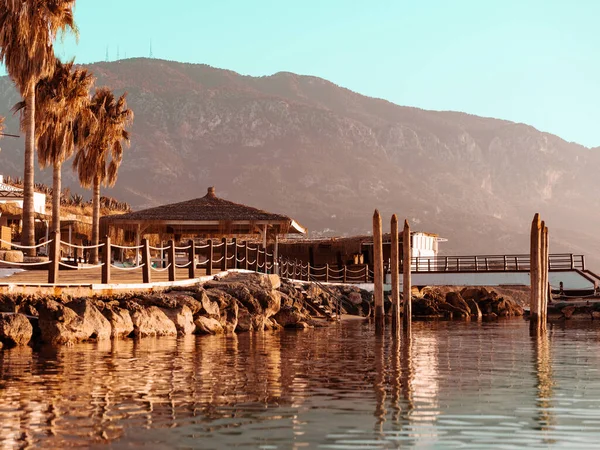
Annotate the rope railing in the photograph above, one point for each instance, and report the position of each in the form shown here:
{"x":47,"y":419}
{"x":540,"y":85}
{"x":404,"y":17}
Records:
{"x":202,"y":263}
{"x":201,"y":247}
{"x":183,"y":248}
{"x":240,"y":260}
{"x":229,"y":258}
{"x":25,"y":246}
{"x":218,"y":260}
{"x":87,"y":267}
{"x":183,"y":266}
{"x":83,"y":247}
{"x":218,"y":245}
{"x":124,"y":247}
{"x":164,"y":269}
{"x":24,"y":264}
{"x":251,"y":263}
{"x":158,"y":249}
{"x":127,"y":268}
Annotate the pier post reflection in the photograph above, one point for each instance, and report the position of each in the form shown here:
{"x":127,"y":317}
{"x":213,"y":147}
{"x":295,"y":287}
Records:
{"x":542,"y":362}
{"x":380,"y":384}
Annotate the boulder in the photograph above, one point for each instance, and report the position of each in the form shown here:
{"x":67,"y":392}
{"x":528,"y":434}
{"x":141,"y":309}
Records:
{"x":93,"y":320}
{"x":271,"y":324}
{"x":229,"y":317}
{"x":209,"y":307}
{"x":207,"y":325}
{"x":13,"y":256}
{"x":152,"y":321}
{"x":456,"y":300}
{"x":7,"y":304}
{"x":120,"y":321}
{"x":183,"y":319}
{"x":474,"y":307}
{"x":474,"y":293}
{"x":453,"y":311}
{"x":185,"y":299}
{"x":355,"y":298}
{"x":246,"y":321}
{"x":15,"y":329}
{"x":61,"y":325}
{"x":289,"y":317}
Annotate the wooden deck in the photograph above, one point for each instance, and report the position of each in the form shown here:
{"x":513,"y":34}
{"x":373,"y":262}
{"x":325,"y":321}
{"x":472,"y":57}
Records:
{"x":93,"y":276}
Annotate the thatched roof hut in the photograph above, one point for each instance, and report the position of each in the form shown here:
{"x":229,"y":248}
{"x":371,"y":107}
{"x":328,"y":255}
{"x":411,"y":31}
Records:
{"x":208,"y":216}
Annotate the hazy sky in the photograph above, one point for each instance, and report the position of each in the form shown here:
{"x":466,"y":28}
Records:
{"x":529,"y":61}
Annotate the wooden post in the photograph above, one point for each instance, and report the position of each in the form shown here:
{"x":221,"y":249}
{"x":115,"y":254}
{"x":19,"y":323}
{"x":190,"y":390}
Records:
{"x":406,"y":277}
{"x":535,"y":269}
{"x":146,"y":269}
{"x":544,"y":289}
{"x":308,"y":271}
{"x":209,"y":257}
{"x":192,"y":257}
{"x":345,"y":275}
{"x":395,"y":267}
{"x":326,"y":273}
{"x":276,"y":257}
{"x":582,"y":263}
{"x":445,"y":264}
{"x":505,"y":263}
{"x":171,"y":260}
{"x":476,"y":264}
{"x":366,"y":273}
{"x":378,"y":272}
{"x":234,"y":253}
{"x":246,"y":255}
{"x":54,"y":257}
{"x":224,"y":254}
{"x":106,"y":252}
{"x":572,"y":261}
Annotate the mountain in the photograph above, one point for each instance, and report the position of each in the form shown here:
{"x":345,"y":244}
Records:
{"x":327,"y":156}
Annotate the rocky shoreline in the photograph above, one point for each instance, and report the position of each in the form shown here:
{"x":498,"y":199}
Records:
{"x":237,"y":302}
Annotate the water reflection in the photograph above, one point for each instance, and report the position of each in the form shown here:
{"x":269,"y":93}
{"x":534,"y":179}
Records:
{"x":545,"y":380}
{"x":446,"y":385}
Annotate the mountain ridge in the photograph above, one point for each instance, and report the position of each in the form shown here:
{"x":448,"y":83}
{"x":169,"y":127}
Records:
{"x":328,"y":156}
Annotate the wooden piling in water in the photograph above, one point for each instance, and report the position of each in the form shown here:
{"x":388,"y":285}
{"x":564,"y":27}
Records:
{"x":395,"y":268}
{"x":406,"y":276}
{"x":378,"y":272}
{"x":545,"y":267}
{"x":535,"y":268}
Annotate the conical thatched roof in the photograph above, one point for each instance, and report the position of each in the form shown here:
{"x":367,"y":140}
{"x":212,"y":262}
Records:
{"x":203,"y":212}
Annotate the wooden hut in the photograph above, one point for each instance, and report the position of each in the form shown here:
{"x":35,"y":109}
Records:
{"x":205,"y":217}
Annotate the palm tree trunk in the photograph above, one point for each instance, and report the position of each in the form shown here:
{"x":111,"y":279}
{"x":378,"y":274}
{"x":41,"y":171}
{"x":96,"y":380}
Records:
{"x":56,"y":189}
{"x":28,"y":231}
{"x":95,"y":220}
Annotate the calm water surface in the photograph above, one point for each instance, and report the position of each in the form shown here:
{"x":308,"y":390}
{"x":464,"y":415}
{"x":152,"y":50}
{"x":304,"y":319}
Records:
{"x":452,"y":385}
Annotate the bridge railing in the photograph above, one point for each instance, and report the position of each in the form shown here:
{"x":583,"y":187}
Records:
{"x":494,"y":263}
{"x":298,"y":270}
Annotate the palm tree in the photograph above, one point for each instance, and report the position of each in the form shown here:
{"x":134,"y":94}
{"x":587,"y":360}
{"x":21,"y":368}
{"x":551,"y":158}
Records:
{"x":62,"y":102}
{"x":27,"y":30}
{"x":98,"y":161}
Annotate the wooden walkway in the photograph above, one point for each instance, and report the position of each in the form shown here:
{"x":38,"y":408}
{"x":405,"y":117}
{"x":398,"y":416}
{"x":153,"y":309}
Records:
{"x":93,"y":276}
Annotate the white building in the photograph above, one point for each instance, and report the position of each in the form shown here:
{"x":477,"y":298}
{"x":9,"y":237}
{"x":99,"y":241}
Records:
{"x":11,"y":194}
{"x":425,"y":245}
